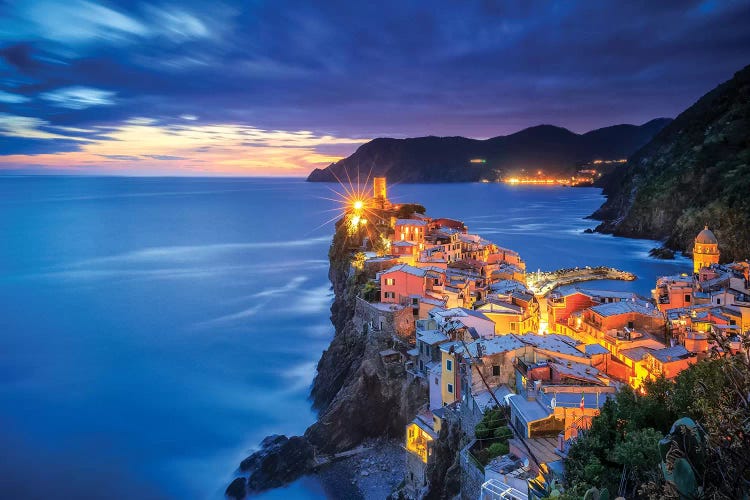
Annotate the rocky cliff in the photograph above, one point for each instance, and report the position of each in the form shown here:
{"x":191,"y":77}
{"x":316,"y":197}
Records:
{"x":696,"y":171}
{"x":357,"y":394}
{"x":448,"y":159}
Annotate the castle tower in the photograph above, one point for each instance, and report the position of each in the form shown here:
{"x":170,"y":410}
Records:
{"x":379,"y":192}
{"x":379,"y":188}
{"x":706,"y":250}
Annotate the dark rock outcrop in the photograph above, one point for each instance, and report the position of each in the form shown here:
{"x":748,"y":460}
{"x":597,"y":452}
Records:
{"x":447,"y":159}
{"x":370,"y":404}
{"x":279,"y":461}
{"x":696,"y":171}
{"x":444,"y":473}
{"x":661,"y":253}
{"x":236,"y":489}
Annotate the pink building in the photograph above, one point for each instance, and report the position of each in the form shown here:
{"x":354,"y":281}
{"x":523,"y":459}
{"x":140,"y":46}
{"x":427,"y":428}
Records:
{"x":673,"y":292}
{"x":403,"y":281}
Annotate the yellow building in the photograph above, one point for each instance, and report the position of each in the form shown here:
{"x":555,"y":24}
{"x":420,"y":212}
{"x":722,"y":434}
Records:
{"x":419,"y":438}
{"x":450,"y":381}
{"x":706,"y":250}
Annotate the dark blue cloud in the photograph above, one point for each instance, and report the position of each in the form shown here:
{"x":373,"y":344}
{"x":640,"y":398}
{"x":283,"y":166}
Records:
{"x":29,"y":146}
{"x":362,"y":70}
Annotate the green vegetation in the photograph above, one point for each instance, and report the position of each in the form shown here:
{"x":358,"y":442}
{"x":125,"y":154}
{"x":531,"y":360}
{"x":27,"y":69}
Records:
{"x":492,"y":434}
{"x":407,"y":209}
{"x":370,"y":292}
{"x":626,"y":451}
{"x":694,"y":172}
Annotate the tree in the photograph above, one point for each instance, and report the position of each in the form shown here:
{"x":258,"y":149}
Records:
{"x":638,"y":451}
{"x":407,"y":209}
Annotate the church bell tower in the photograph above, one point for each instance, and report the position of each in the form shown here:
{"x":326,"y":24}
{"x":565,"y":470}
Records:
{"x":705,"y":250}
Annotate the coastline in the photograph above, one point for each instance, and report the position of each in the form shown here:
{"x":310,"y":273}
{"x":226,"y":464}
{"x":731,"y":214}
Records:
{"x":358,"y":393}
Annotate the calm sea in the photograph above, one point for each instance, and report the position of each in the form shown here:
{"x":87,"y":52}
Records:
{"x":154,"y":330}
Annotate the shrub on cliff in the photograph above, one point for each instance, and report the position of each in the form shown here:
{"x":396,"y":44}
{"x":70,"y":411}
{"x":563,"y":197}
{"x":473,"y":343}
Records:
{"x":498,"y":449}
{"x":407,"y":209}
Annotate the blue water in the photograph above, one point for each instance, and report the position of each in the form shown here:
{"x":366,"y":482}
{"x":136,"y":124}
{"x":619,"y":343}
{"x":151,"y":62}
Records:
{"x":153,"y":330}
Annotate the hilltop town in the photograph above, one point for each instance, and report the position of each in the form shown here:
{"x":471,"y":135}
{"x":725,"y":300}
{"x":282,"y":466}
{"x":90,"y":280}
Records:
{"x":443,"y":338}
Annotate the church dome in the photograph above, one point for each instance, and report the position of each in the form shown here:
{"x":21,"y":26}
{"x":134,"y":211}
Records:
{"x":706,"y":237}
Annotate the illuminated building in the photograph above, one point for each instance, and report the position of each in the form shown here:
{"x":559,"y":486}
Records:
{"x":705,"y":251}
{"x":379,"y":193}
{"x":420,"y":436}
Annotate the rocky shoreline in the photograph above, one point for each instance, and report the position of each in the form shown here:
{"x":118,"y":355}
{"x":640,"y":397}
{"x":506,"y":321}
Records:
{"x":359,"y":398}
{"x":372,"y":475}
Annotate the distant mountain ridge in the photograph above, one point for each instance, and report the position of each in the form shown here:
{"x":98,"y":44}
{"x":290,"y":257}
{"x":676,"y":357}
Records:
{"x":696,"y":171}
{"x":555,"y":150}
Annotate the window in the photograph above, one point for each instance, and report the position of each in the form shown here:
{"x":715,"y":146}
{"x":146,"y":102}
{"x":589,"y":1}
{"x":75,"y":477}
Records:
{"x":495,"y":371}
{"x":390,"y":281}
{"x":450,"y":388}
{"x":718,"y":301}
{"x":449,"y":365}
{"x":389,"y":295}
{"x":687,"y":297}
{"x":631,"y":325}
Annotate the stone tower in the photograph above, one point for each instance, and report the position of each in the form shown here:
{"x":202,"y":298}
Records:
{"x":706,"y":250}
{"x":379,"y":188}
{"x":379,"y":192}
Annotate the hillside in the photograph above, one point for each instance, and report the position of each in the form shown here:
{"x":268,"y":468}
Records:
{"x":447,"y":159}
{"x":696,"y":171}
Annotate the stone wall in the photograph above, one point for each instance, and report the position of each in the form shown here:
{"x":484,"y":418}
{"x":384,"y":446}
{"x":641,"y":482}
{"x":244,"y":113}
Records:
{"x":386,"y":320}
{"x":472,"y":477}
{"x":415,"y":478}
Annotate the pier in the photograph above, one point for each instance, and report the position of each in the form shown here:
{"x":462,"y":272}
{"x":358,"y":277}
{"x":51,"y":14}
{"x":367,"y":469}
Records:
{"x":542,"y":283}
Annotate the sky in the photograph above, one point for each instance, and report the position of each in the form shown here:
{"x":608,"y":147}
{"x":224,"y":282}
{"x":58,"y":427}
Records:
{"x":281,"y":87}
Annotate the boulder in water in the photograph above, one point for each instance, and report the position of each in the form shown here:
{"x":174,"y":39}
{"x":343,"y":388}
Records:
{"x":236,"y":489}
{"x":280,"y":461}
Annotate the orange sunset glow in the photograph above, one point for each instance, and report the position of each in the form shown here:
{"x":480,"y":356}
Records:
{"x":143,"y":146}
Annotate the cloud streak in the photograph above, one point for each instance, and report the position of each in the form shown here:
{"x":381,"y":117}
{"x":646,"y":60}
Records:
{"x":282,"y":87}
